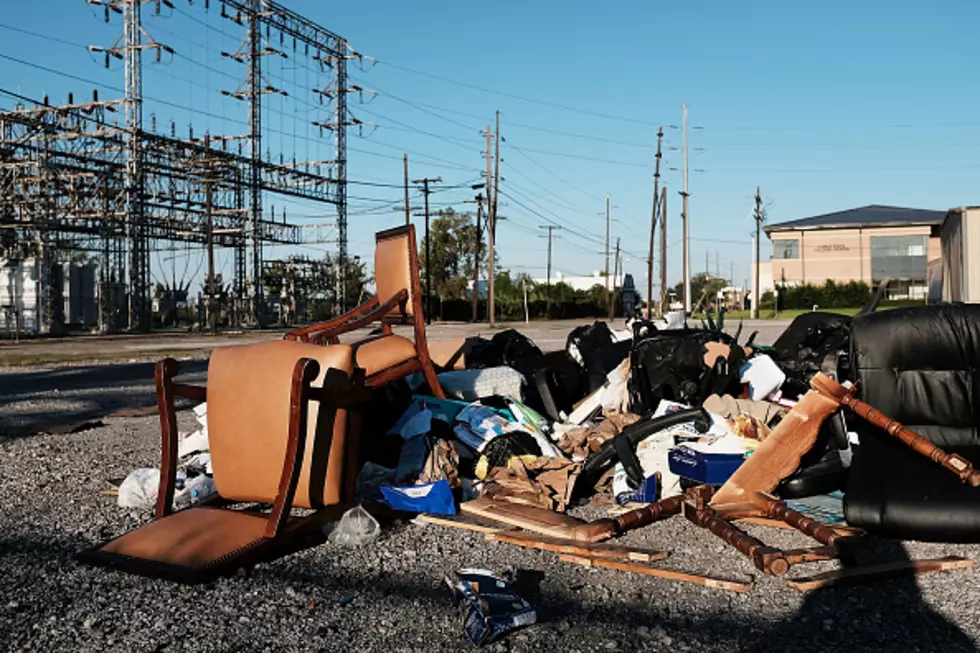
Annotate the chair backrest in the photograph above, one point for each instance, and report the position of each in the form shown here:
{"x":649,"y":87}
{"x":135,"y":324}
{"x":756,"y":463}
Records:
{"x":396,"y":268}
{"x":248,"y":400}
{"x":921,"y":367}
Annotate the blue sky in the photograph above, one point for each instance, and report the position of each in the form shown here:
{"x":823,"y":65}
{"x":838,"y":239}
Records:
{"x":826,"y":106}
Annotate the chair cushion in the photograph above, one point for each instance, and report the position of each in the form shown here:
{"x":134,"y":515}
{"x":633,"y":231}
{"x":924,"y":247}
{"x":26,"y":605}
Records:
{"x":378,"y":353}
{"x":194,"y":538}
{"x":249,"y":391}
{"x":895,"y":492}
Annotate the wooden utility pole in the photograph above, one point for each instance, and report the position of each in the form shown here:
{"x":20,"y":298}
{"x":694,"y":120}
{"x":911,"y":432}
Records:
{"x":428,"y":268}
{"x":686,"y":216}
{"x":612,"y":300}
{"x":408,"y":215}
{"x":491,"y":226}
{"x":653,"y":225}
{"x":759,"y":216}
{"x":496,"y":169}
{"x":551,"y":228}
{"x":476,"y":258}
{"x":209,"y":222}
{"x":607,"y":247}
{"x":663,"y":251}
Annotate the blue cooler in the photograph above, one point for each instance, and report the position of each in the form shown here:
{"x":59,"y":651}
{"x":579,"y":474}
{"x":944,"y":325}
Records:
{"x":709,"y":468}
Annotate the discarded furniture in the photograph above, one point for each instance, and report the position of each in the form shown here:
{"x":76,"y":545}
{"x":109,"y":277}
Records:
{"x":280,"y":433}
{"x":385,"y":357}
{"x":918,"y":366}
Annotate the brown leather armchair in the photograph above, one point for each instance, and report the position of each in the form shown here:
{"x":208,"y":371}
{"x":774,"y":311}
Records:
{"x":385,"y":357}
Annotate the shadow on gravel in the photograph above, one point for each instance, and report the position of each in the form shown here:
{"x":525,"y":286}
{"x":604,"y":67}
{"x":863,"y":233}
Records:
{"x":889,"y":615}
{"x":884,"y":615}
{"x":85,"y":392}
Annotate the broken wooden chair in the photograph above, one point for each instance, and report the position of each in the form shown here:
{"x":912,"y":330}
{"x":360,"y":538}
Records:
{"x":385,"y":357}
{"x":282,"y":436}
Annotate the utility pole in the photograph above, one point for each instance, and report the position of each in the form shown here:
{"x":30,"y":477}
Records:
{"x":653,"y":225}
{"x":408,"y":215}
{"x":491,"y":227}
{"x":663,"y":250}
{"x":212,"y":318}
{"x":476,"y":258}
{"x":428,"y":269}
{"x":686,"y":218}
{"x":550,"y":229}
{"x":607,"y":247}
{"x":759,"y":216}
{"x":612,"y":301}
{"x":496,"y":170}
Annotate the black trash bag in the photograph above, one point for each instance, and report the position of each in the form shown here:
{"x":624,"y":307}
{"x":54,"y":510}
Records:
{"x":670,"y":364}
{"x":587,"y":339}
{"x":482,"y":353}
{"x":807,"y":341}
{"x":515,"y":346}
{"x":555,"y":383}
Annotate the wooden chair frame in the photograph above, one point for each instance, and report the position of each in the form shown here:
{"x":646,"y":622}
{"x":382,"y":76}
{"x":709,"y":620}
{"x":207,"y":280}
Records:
{"x":283,"y":533}
{"x":383,"y":311}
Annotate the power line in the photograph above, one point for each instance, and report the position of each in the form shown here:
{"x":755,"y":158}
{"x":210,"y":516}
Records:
{"x":515,"y":96}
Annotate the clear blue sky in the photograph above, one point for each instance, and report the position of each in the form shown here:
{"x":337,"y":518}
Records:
{"x":825,"y":105}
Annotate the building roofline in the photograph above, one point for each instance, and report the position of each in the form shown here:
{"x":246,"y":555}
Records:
{"x":826,"y":221}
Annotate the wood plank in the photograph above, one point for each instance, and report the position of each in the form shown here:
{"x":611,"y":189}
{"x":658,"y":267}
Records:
{"x":874,"y":572}
{"x":571,"y":547}
{"x":458,"y":523}
{"x":670,"y":574}
{"x":530,"y":518}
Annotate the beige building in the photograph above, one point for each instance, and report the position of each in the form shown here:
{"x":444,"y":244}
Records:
{"x":865,"y":244}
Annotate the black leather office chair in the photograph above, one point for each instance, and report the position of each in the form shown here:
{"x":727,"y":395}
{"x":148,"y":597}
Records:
{"x":921,"y":367}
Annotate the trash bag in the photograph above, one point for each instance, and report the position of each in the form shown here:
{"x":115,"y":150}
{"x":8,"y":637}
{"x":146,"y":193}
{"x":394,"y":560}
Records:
{"x":356,"y":528}
{"x":582,"y":341}
{"x":139,"y":489}
{"x":807,"y":341}
{"x":515,"y":346}
{"x":683,"y":365}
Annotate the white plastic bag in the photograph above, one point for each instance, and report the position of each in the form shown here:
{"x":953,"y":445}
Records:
{"x":356,"y":528}
{"x":139,"y":489}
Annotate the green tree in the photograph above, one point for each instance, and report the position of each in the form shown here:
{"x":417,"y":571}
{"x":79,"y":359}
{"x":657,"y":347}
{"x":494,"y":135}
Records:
{"x":452,"y":236}
{"x":704,"y":289}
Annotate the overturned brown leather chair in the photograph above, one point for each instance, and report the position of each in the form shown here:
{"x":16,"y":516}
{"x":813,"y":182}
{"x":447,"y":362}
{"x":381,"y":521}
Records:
{"x":281,"y":437}
{"x":385,"y":357}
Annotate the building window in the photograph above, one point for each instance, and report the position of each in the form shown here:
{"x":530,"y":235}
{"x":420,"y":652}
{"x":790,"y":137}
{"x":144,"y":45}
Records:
{"x":903,"y":259}
{"x":785,"y":249}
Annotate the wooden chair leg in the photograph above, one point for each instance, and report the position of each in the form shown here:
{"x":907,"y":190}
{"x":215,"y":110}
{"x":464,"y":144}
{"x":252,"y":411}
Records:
{"x":429,"y":372}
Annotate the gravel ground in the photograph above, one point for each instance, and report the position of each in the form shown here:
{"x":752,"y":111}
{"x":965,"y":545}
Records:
{"x":389,"y":595}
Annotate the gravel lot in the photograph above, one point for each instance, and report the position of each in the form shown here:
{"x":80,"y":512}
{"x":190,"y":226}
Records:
{"x":389,"y":595}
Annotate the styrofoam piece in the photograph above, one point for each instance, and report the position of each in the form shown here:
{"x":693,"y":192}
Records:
{"x":763,"y":376}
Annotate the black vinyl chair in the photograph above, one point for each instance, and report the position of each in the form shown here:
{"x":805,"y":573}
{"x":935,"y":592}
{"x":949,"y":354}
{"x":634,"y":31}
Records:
{"x":921,"y":367}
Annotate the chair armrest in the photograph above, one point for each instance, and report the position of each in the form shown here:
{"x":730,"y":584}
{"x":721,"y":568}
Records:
{"x":330,"y":331}
{"x":315,"y":331}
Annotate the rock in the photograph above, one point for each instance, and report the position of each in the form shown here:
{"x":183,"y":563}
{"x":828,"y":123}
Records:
{"x":14,"y":605}
{"x":643,"y":631}
{"x":89,"y":623}
{"x":290,"y":592}
{"x":611,"y":645}
{"x":564,"y":626}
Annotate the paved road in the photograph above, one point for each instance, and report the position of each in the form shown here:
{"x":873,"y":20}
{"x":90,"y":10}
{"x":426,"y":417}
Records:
{"x":102,"y":375}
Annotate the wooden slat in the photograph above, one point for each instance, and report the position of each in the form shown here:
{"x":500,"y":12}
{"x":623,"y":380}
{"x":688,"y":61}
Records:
{"x":530,"y":518}
{"x":873,"y":572}
{"x":571,"y":547}
{"x":670,"y":574}
{"x":459,"y":523}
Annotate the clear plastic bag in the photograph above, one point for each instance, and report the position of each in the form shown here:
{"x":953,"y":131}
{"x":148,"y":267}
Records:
{"x":139,"y":489}
{"x":356,"y":528}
